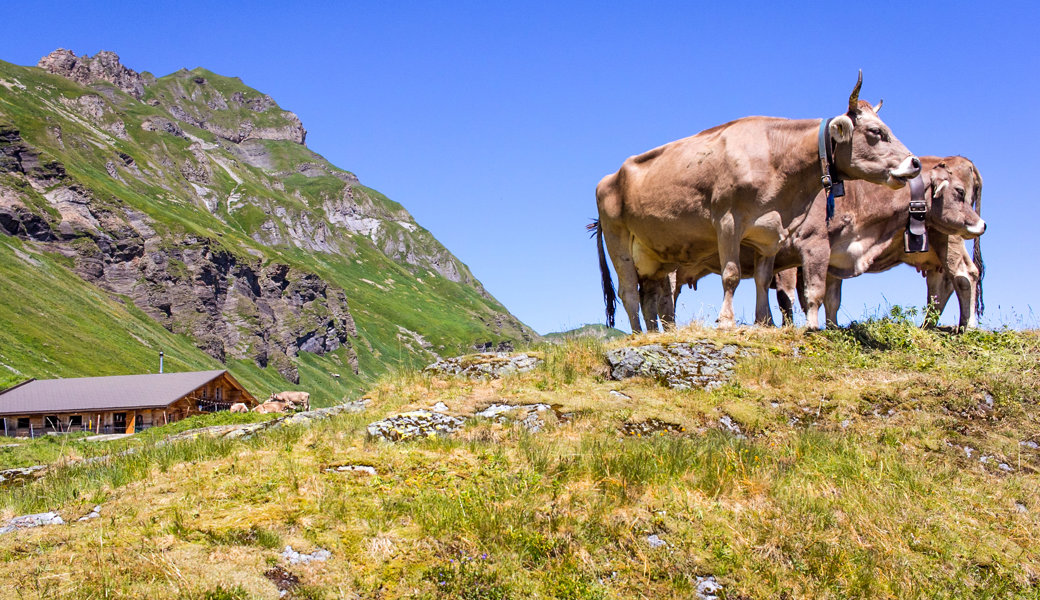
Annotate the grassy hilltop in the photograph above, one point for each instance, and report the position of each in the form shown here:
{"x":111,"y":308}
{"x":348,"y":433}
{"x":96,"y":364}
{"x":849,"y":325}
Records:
{"x":877,"y":461}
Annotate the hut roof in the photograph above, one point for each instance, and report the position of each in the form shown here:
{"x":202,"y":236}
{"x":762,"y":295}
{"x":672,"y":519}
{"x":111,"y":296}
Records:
{"x":104,"y":393}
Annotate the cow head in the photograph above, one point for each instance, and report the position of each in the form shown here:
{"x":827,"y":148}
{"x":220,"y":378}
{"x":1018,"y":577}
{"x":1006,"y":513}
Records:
{"x":865,"y":147}
{"x":955,"y":189}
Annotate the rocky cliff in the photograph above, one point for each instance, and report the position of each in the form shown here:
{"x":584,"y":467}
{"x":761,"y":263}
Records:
{"x":194,"y":198}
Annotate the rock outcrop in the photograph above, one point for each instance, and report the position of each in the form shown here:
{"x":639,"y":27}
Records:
{"x":190,"y":97}
{"x":103,"y":66}
{"x":414,"y":424}
{"x":698,"y":364}
{"x":490,"y":365}
{"x":233,"y":306}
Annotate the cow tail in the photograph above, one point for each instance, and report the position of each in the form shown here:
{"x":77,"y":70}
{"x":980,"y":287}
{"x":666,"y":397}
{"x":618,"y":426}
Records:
{"x":609,"y":297}
{"x":976,"y":256}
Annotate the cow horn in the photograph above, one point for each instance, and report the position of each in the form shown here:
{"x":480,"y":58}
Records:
{"x":854,"y":98}
{"x":877,"y":108}
{"x":939,"y":190}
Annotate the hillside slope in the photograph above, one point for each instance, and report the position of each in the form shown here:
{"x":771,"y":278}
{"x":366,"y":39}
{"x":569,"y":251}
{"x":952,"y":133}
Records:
{"x":192,"y":199}
{"x":878,"y":461}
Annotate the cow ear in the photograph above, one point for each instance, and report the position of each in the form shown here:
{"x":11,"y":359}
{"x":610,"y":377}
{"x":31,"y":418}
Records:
{"x":841,"y":129}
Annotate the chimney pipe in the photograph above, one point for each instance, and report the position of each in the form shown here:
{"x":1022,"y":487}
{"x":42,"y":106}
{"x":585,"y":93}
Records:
{"x":160,"y":360}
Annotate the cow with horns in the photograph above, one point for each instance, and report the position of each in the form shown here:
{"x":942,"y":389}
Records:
{"x":748,"y":182}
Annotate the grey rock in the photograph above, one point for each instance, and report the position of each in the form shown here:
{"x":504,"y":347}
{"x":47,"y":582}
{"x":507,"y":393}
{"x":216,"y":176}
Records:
{"x":728,"y":424}
{"x":93,"y":514}
{"x":488,"y":365}
{"x":707,"y":588}
{"x":30,"y":521}
{"x":655,"y":541}
{"x":20,"y":474}
{"x":532,"y":416}
{"x":294,"y":557}
{"x":103,"y":66}
{"x":681,"y":365}
{"x":362,"y":469}
{"x":415,"y":424}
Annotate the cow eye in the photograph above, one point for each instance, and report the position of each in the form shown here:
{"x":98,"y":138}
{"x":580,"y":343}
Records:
{"x":875,"y":130}
{"x":960,"y":192}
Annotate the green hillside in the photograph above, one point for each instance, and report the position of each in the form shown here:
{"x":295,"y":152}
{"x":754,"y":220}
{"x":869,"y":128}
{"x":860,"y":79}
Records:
{"x":195,"y":209}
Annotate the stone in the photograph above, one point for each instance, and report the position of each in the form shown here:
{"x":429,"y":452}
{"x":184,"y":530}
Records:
{"x":680,"y":365}
{"x":414,"y":424}
{"x":20,"y":474}
{"x":532,"y":416}
{"x":294,"y":557}
{"x":30,"y":521}
{"x":707,"y":588}
{"x":655,"y":541}
{"x":487,"y":365}
{"x":650,"y":427}
{"x":361,"y":469}
{"x":729,"y":425}
{"x":93,"y":514}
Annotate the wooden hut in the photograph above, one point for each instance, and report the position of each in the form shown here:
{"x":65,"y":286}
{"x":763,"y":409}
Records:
{"x":117,"y":404}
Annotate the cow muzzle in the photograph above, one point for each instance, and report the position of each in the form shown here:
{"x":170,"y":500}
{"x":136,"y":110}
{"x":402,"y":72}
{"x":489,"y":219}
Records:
{"x":907,"y":170}
{"x":977,"y":229}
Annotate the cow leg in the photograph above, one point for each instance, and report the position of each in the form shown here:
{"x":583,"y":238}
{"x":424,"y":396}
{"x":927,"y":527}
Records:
{"x":785,"y":282}
{"x":940,"y":288}
{"x":813,"y":286}
{"x":666,"y":305}
{"x":763,"y":275}
{"x":649,"y":298}
{"x":729,"y":260}
{"x":832,"y":300}
{"x":628,"y":279}
{"x":965,"y":288}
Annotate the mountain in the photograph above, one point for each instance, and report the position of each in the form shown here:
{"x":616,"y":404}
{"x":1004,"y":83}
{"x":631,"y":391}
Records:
{"x":592,"y":330}
{"x":186,"y":213}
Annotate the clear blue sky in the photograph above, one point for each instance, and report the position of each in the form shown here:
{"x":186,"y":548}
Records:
{"x":493,"y":122}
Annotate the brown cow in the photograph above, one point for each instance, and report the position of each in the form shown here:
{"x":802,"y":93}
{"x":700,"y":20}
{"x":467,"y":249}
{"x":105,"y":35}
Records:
{"x":271,"y":406}
{"x":239,"y":407}
{"x":748,"y":182}
{"x":877,"y":245}
{"x":293,"y":400}
{"x":866,"y":235}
